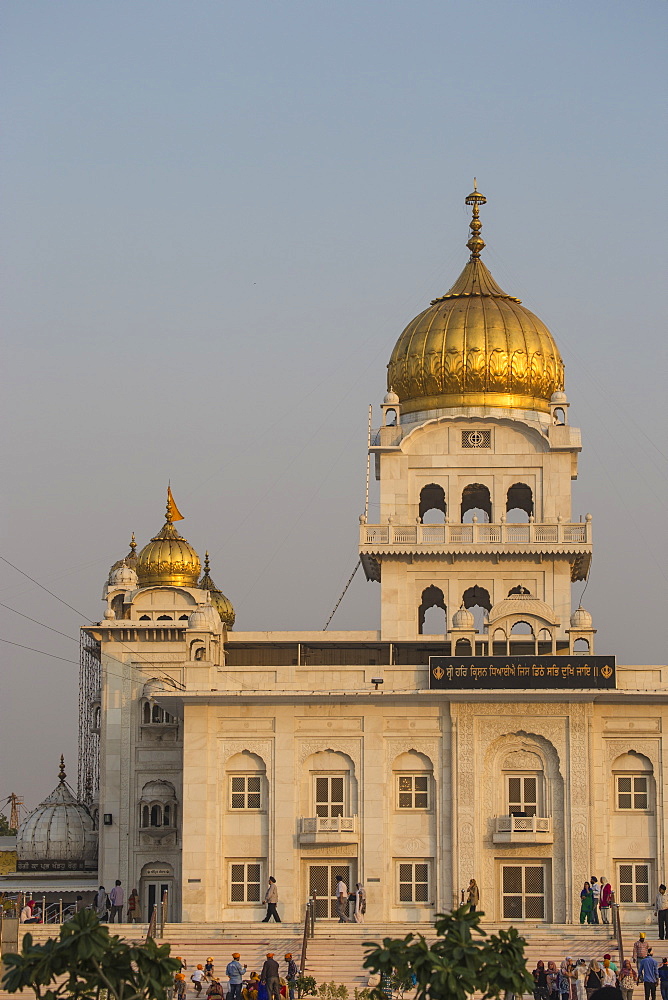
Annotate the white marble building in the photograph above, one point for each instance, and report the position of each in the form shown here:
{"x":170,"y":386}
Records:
{"x":214,"y":758}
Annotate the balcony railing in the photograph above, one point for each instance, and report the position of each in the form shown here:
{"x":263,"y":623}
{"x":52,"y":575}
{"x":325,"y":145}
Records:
{"x":556,"y":533}
{"x":328,"y":830}
{"x":523,"y":830}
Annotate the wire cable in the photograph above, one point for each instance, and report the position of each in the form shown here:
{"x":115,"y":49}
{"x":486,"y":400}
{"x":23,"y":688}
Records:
{"x":43,"y":652}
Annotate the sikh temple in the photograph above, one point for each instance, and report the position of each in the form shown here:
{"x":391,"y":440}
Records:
{"x":476,"y":734}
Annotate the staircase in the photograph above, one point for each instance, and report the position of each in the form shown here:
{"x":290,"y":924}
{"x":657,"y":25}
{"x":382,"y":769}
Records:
{"x":336,"y":953}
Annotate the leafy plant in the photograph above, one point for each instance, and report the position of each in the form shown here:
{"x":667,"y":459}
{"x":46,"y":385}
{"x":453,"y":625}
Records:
{"x":363,"y":994}
{"x":330,"y":991}
{"x":85,"y":962}
{"x":455,"y":965}
{"x":305,"y":986}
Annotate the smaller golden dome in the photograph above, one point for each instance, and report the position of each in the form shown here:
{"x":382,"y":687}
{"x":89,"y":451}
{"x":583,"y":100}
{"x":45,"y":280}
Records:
{"x":221,"y":603}
{"x":168,"y":558}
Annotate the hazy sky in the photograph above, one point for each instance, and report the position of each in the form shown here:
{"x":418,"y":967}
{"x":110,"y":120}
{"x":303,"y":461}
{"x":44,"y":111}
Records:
{"x":217,"y":219}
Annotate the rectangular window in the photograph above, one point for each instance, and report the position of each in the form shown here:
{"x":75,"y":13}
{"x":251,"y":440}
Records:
{"x":245,"y":881}
{"x":634,"y":882}
{"x":413,"y":791}
{"x":246,"y":791}
{"x":632,"y":791}
{"x":522,"y":795}
{"x":523,"y":892}
{"x":414,"y":882}
{"x":329,"y":791}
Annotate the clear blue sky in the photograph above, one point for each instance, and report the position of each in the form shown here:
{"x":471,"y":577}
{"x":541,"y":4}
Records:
{"x":217,"y":219}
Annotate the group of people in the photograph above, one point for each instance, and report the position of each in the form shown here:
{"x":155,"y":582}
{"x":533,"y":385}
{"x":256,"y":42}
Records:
{"x":268,"y":984}
{"x":343,"y":901}
{"x":582,"y":980}
{"x":596,"y":897}
{"x":109,"y":905}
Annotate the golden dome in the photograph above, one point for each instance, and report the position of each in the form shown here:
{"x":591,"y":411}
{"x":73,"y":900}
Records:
{"x":475,"y":346}
{"x":221,"y":603}
{"x":168,"y":558}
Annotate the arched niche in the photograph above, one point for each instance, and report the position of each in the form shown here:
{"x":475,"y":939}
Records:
{"x":413,"y":774}
{"x":519,"y":503}
{"x":329,"y":785}
{"x":436,"y":622}
{"x":432,"y":508}
{"x":476,"y":502}
{"x":247,"y":781}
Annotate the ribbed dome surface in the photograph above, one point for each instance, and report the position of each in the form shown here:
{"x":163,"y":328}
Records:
{"x":59,"y":829}
{"x":168,"y":559}
{"x":475,"y":346}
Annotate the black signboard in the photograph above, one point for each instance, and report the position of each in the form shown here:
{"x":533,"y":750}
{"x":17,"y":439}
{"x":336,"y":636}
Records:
{"x":485,"y":673}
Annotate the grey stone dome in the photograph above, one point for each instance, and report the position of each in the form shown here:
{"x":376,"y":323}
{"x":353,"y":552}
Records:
{"x":59,"y":830}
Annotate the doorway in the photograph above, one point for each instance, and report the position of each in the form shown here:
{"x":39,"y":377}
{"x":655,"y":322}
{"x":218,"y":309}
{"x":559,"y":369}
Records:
{"x":322,"y":879}
{"x":156,"y":879}
{"x":523,"y":895}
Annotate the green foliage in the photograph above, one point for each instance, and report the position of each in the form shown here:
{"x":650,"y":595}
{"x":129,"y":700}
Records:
{"x":363,"y":994}
{"x":5,"y":829}
{"x":456,"y":964}
{"x":330,"y":991}
{"x":305,"y":986}
{"x":92,"y":963}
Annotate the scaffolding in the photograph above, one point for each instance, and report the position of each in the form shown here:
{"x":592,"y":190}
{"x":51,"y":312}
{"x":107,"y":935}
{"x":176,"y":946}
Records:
{"x":89,"y":731}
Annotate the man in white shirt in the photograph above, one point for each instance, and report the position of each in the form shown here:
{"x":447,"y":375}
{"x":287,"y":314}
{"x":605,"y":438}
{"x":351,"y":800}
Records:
{"x":596,"y":893}
{"x":342,"y":900}
{"x":116,"y":898}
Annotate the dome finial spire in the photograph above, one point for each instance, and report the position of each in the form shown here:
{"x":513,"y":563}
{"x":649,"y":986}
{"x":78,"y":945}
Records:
{"x":476,"y":244}
{"x":173,"y":512}
{"x":61,"y":770}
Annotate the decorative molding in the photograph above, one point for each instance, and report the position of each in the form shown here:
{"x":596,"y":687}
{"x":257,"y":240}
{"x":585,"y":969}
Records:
{"x":262,"y":748}
{"x":412,"y":847}
{"x":628,"y":744}
{"x":231,"y":725}
{"x":352,"y":748}
{"x":315,"y":725}
{"x":523,"y":760}
{"x":430,"y":748}
{"x":629,"y":723}
{"x":341,"y":851}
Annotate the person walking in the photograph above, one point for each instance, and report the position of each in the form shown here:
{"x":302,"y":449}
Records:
{"x":609,"y":977}
{"x":596,"y":895}
{"x":586,"y":903}
{"x":271,"y":899}
{"x":661,"y":911}
{"x":627,"y":979}
{"x":271,"y":978}
{"x":639,"y":948}
{"x":180,"y":986}
{"x":235,"y":973}
{"x":291,"y":975}
{"x":101,"y":903}
{"x":116,"y":898}
{"x":594,"y":977}
{"x":648,"y":968}
{"x":605,"y":901}
{"x":342,"y":900}
{"x":473,"y":894}
{"x":133,"y":907}
{"x":197,"y":977}
{"x":360,"y":903}
{"x":663,"y":979}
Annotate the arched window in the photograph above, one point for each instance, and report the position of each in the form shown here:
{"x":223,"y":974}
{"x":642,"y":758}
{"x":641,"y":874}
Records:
{"x":581,"y":646}
{"x":157,"y":714}
{"x":390,"y":418}
{"x":633,"y":774}
{"x":165,"y":618}
{"x":432,"y":504}
{"x":558,"y":416}
{"x":156,"y":815}
{"x":246,"y":782}
{"x":524,"y":785}
{"x":145,"y":816}
{"x":144,"y":618}
{"x":97,"y":717}
{"x":477,"y":600}
{"x":499,"y":647}
{"x":476,"y":502}
{"x":183,"y":618}
{"x":432,"y":613}
{"x":147,"y":713}
{"x":463,"y":647}
{"x":522,"y":641}
{"x":519,"y":589}
{"x":519,"y":503}
{"x":413,"y":773}
{"x":117,"y":605}
{"x":544,"y":642}
{"x":157,"y":806}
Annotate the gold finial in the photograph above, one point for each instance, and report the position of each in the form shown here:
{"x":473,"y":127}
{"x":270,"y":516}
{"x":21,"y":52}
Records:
{"x":476,"y":243}
{"x":133,"y":544}
{"x":61,"y":772}
{"x":206,"y":564}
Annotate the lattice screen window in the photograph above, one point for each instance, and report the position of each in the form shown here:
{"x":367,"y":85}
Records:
{"x":476,"y":439}
{"x":522,"y":794}
{"x":413,"y":791}
{"x":634,"y":882}
{"x":414,"y":881}
{"x":246,"y":791}
{"x":523,"y":892}
{"x":245,"y":882}
{"x":632,"y":791}
{"x":329,"y":795}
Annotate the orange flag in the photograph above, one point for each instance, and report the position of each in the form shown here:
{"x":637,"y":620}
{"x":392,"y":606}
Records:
{"x":173,"y":511}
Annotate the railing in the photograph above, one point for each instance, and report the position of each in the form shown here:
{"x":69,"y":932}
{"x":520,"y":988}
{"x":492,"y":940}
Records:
{"x":328,"y":824}
{"x":477,"y":533}
{"x":617,"y":925}
{"x":309,"y":931}
{"x":523,"y":824}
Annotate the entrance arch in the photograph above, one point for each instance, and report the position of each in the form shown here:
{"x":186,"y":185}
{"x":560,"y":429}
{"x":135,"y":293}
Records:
{"x":157,"y":877}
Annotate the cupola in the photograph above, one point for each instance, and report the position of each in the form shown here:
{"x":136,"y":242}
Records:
{"x":168,"y":559}
{"x":60,"y":830}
